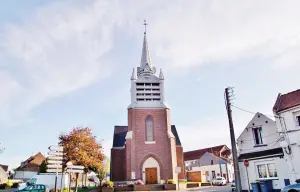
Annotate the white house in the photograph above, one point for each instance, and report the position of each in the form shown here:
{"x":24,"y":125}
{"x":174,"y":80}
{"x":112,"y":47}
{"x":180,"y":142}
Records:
{"x":259,"y":144}
{"x":206,"y":164}
{"x":287,"y":112}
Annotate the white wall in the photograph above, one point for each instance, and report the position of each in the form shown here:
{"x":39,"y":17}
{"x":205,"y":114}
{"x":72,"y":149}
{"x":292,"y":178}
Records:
{"x":151,"y":163}
{"x":246,"y":142}
{"x":288,"y":122}
{"x":211,"y":168}
{"x":281,"y":167}
{"x":24,"y":174}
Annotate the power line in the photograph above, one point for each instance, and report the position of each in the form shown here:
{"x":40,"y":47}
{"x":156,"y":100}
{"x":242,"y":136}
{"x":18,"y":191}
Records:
{"x":267,"y":147}
{"x":261,"y":137}
{"x":253,"y":112}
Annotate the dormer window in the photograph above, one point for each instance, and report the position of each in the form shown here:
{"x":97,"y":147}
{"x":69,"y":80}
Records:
{"x":257,"y":135}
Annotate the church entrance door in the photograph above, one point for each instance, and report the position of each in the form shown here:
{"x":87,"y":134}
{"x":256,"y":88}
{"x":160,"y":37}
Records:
{"x":151,"y":175}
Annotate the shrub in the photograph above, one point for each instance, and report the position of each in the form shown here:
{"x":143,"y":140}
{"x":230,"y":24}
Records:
{"x":9,"y":183}
{"x":3,"y":186}
{"x":15,"y":185}
{"x":66,"y":190}
{"x":139,"y":182}
{"x":109,"y":184}
{"x":170,"y":181}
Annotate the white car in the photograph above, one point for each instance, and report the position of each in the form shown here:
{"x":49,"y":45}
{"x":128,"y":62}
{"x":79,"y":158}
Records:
{"x":219,"y":181}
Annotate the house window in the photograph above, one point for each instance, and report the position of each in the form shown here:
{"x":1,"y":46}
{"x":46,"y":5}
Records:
{"x":298,"y":120}
{"x":257,"y":134}
{"x":149,"y":129}
{"x":211,"y":162}
{"x":267,"y":171}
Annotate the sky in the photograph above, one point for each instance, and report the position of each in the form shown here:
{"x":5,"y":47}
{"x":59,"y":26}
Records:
{"x":68,"y":63}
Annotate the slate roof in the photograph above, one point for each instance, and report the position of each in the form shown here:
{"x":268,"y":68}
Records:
{"x":287,"y":101}
{"x":174,"y":131}
{"x":275,"y":152}
{"x":4,"y":167}
{"x":119,"y":136}
{"x":196,"y":154}
{"x":121,"y":131}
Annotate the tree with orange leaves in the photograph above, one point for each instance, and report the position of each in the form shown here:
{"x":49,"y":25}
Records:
{"x":81,"y":148}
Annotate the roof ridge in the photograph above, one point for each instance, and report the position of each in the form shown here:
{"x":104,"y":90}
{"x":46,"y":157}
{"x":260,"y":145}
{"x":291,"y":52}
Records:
{"x":291,"y":92}
{"x":205,"y":148}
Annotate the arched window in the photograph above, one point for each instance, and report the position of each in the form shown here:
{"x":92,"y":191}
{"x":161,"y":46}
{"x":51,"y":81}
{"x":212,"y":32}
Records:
{"x":149,"y":129}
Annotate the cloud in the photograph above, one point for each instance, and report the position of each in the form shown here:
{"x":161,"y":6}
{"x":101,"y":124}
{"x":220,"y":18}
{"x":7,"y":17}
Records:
{"x":59,"y":49}
{"x":189,"y":34}
{"x":63,"y":45}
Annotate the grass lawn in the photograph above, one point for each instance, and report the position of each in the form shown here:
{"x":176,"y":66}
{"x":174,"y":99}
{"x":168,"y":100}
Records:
{"x":87,"y":189}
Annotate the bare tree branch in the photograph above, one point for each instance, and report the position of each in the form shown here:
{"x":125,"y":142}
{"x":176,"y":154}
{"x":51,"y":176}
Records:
{"x":1,"y":149}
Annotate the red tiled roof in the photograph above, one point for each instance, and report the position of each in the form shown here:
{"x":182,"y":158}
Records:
{"x":32,"y":163}
{"x":287,"y":101}
{"x":192,"y":155}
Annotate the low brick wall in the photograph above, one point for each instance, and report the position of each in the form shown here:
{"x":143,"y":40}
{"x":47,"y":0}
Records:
{"x":205,"y":184}
{"x":124,"y":188}
{"x":192,"y":185}
{"x":170,"y":187}
{"x":148,"y":187}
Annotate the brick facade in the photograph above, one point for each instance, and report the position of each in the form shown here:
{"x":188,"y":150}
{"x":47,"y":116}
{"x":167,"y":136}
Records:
{"x":118,"y":169}
{"x":180,"y":161}
{"x":137,"y":150}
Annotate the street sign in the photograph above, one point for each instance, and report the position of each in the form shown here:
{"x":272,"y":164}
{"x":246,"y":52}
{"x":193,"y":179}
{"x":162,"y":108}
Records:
{"x":54,"y":166}
{"x":56,"y":148}
{"x":56,"y":162}
{"x":74,"y":171}
{"x":54,"y":170}
{"x":246,"y":163}
{"x":55,"y":158}
{"x":54,"y":153}
{"x":75,"y":167}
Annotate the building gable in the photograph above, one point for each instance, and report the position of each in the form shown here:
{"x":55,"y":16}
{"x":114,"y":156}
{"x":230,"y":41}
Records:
{"x":259,"y":135}
{"x":197,"y":154}
{"x":210,"y":159}
{"x":4,"y":167}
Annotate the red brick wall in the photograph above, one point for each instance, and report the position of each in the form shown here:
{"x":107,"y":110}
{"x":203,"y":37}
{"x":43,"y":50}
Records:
{"x":180,"y":163}
{"x":118,"y":169}
{"x":136,"y":149}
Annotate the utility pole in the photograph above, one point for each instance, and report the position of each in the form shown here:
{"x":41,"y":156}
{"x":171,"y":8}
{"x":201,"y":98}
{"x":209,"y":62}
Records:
{"x":233,"y":143}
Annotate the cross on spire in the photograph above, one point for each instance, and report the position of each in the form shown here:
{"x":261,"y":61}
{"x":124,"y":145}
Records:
{"x":145,"y":23}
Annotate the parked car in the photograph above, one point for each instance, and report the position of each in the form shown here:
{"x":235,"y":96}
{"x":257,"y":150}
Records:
{"x":35,"y":188}
{"x":291,"y":188}
{"x":233,"y":186}
{"x":219,"y":181}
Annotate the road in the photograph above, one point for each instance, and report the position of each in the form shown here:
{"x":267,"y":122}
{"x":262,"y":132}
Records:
{"x":211,"y":189}
{"x":8,"y":190}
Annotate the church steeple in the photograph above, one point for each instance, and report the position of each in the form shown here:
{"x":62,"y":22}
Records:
{"x":147,"y":89}
{"x":145,"y":65}
{"x":145,"y":58}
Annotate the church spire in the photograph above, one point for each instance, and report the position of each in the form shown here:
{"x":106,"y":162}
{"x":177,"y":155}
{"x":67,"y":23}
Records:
{"x":145,"y":65}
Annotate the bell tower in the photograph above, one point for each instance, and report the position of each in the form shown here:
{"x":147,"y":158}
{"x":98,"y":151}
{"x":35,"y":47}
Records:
{"x":147,"y":89}
{"x":150,"y":144}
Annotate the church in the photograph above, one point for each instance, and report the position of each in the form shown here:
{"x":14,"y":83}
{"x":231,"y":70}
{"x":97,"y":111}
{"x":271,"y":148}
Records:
{"x":148,"y":148}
